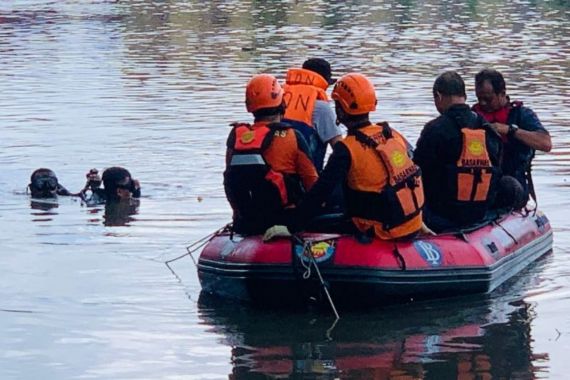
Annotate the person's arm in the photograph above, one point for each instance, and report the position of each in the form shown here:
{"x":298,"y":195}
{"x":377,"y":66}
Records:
{"x":304,"y":166}
{"x":334,"y":173}
{"x":229,"y":152}
{"x":334,"y":140}
{"x":537,"y":140}
{"x":324,"y":121}
{"x":230,"y":142}
{"x":426,"y":153}
{"x":61,"y":190}
{"x":136,"y":191}
{"x":530,"y":132}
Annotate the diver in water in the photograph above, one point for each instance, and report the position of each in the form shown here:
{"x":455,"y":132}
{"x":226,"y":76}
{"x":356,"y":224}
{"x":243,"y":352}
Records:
{"x":44,"y":184}
{"x":118,"y":185}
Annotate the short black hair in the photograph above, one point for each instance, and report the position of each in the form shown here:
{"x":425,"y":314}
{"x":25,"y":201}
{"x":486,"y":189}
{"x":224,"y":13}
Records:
{"x":267,"y":112}
{"x":320,"y":66}
{"x":111,"y":179}
{"x":115,"y":174}
{"x":449,"y":83}
{"x":355,"y":119}
{"x":494,"y":77}
{"x":42,"y":172}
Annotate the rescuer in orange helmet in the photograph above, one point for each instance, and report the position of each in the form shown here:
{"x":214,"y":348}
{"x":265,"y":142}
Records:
{"x":268,"y":165}
{"x":383,"y":187}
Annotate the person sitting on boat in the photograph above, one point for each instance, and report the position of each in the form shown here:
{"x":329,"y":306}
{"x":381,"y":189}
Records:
{"x":307,"y":106}
{"x":268,"y":164}
{"x":521,"y":131}
{"x":459,"y":154}
{"x":382,"y":186}
{"x":118,"y":185}
{"x":44,"y":184}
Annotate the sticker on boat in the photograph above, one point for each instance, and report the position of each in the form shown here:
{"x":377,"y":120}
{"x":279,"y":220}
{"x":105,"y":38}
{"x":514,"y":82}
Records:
{"x":429,"y":252}
{"x":321,"y":251}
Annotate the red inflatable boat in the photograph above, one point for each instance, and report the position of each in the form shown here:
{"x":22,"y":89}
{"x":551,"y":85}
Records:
{"x":282,"y":271}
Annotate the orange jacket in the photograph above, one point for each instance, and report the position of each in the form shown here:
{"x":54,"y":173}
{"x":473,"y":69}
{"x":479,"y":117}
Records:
{"x":287,"y":153}
{"x":302,"y":89}
{"x":384,"y":189}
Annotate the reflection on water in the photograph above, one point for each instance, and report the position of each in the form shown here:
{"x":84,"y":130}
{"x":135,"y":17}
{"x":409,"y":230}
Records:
{"x":152,"y":85}
{"x":43,"y":205}
{"x":430,"y":343}
{"x":120,"y":213}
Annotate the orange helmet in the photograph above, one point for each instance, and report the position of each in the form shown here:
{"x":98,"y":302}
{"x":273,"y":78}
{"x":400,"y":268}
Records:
{"x":355,"y":93}
{"x":263,"y":91}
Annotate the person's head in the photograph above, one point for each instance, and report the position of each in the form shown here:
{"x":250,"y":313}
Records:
{"x":93,"y":179}
{"x":448,"y":89}
{"x":320,"y":66}
{"x":118,"y":184}
{"x":43,"y":183}
{"x":354,"y":99}
{"x":491,"y":90}
{"x":264,"y":98}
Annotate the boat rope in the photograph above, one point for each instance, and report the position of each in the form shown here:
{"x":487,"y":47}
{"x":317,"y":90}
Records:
{"x":194,"y":247}
{"x":506,"y":231}
{"x":399,"y":256}
{"x":307,"y":266}
{"x":461,"y":234}
{"x":329,"y":331}
{"x":307,"y":245}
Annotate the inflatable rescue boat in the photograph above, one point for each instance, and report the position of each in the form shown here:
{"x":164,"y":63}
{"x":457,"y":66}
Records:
{"x":289,"y":271}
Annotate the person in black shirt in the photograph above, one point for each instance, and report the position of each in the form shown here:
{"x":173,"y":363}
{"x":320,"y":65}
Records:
{"x":459,"y":155}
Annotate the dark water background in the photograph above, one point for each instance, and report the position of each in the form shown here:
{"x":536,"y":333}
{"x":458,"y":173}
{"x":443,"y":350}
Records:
{"x":152,"y":85}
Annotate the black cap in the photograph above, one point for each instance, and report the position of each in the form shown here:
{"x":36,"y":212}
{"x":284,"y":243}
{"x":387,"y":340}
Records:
{"x":320,"y":66}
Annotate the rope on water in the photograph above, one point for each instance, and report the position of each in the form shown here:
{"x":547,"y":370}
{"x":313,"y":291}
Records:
{"x":307,"y":253}
{"x":194,"y":247}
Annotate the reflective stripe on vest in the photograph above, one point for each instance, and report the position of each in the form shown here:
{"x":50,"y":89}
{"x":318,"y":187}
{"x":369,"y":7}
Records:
{"x":247,"y":159}
{"x":474,"y":167}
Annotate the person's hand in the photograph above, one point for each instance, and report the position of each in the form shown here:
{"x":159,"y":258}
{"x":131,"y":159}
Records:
{"x":276,"y":231}
{"x":425,"y":230}
{"x":500,"y":128}
{"x":124,"y":193}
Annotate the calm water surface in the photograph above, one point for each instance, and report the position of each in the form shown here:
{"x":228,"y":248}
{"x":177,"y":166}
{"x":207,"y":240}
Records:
{"x":152,"y":86}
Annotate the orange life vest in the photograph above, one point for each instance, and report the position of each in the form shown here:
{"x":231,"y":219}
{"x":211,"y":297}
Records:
{"x":302,"y":89}
{"x":385,"y":190}
{"x":249,"y":172}
{"x":474,"y":168}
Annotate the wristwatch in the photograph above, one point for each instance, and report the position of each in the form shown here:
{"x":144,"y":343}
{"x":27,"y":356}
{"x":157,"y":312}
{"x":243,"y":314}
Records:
{"x":513,"y":128}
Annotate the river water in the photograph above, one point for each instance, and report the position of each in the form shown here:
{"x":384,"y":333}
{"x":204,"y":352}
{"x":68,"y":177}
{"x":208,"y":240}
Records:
{"x":152,"y":86}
